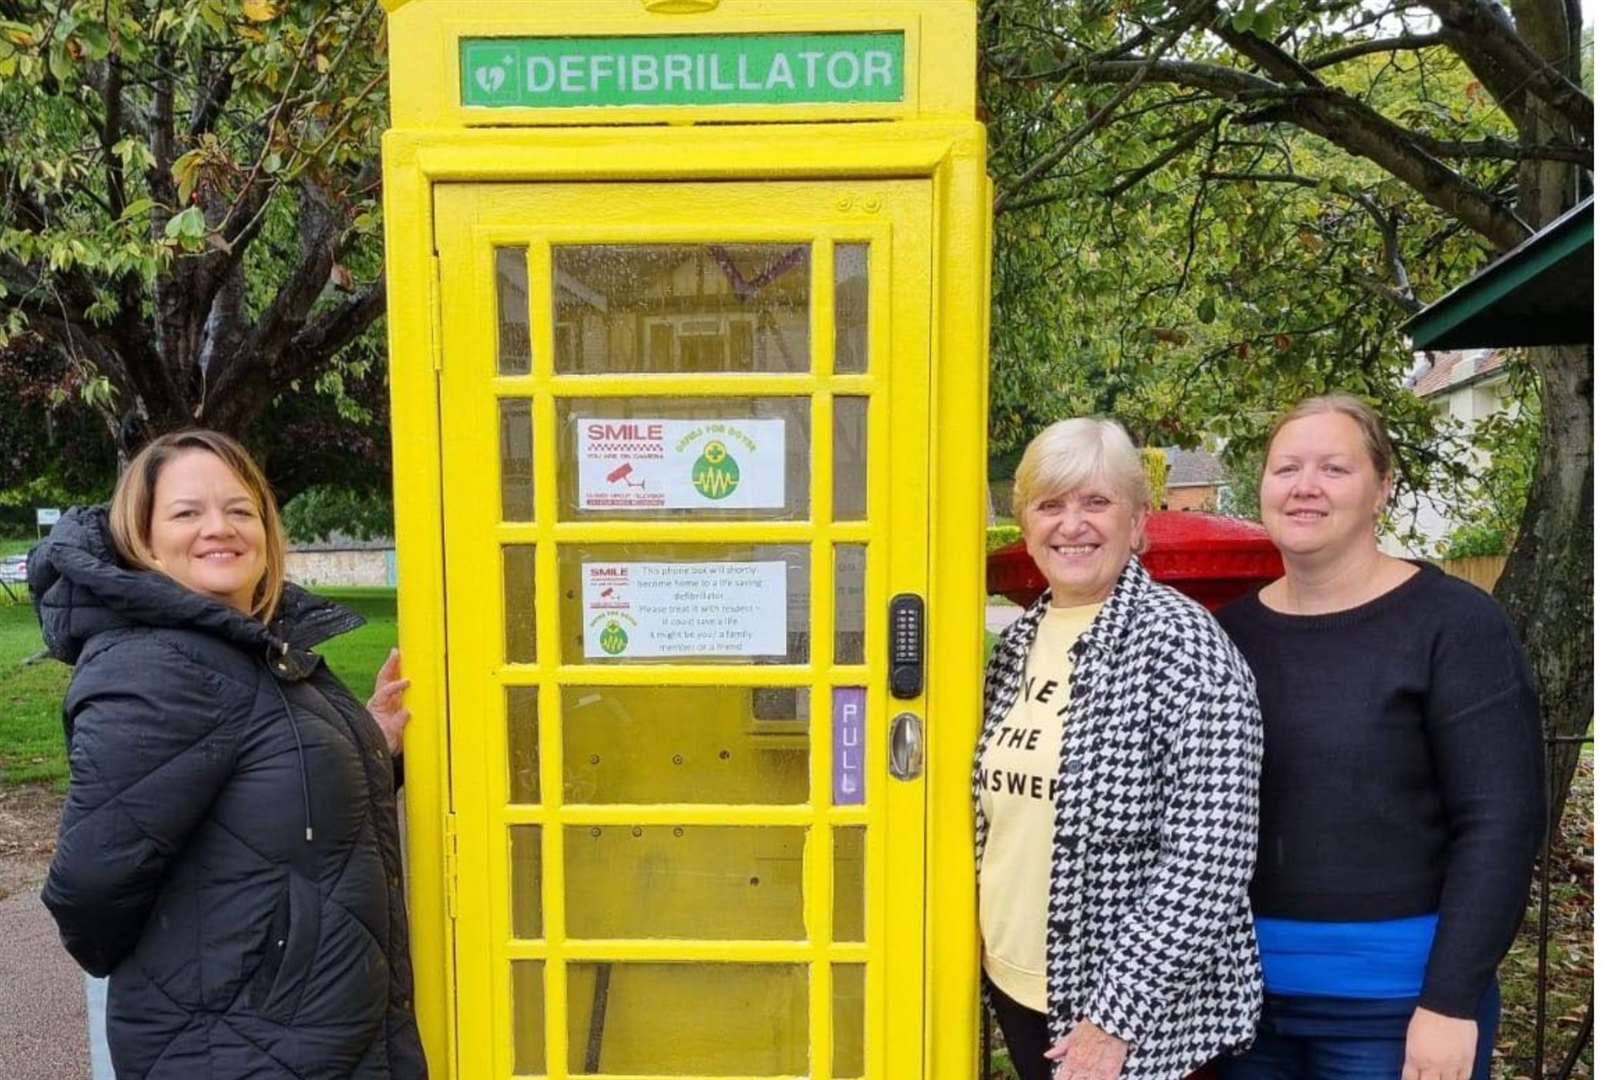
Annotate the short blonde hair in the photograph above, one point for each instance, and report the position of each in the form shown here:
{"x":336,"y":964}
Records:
{"x":1078,"y":451}
{"x":130,"y":513}
{"x":1374,"y":435}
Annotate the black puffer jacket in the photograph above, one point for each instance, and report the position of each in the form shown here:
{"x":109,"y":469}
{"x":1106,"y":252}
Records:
{"x":230,"y":850}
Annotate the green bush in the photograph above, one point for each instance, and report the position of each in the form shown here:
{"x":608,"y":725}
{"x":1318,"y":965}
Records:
{"x":1156,"y":463}
{"x":319,"y":511}
{"x":998,"y":536}
{"x":1474,"y":541}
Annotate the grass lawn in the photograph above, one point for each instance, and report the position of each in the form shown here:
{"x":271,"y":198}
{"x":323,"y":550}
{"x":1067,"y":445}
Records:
{"x":30,"y":702}
{"x":357,"y":655}
{"x":31,"y":746}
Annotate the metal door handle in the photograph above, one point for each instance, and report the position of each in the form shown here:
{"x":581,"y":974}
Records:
{"x":906,"y":746}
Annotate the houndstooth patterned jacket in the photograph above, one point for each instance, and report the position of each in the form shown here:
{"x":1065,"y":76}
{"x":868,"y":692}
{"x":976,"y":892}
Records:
{"x":1149,"y":932}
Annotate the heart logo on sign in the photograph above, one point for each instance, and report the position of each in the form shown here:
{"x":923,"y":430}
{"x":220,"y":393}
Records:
{"x":490,"y":79}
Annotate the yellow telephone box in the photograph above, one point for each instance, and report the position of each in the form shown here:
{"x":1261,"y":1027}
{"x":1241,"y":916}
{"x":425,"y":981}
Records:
{"x":687,"y":319}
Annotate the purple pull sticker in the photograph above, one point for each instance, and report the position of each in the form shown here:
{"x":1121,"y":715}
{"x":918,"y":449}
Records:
{"x":849,"y":746}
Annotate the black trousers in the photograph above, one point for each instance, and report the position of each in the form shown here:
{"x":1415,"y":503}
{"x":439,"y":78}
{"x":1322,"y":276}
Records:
{"x":1024,"y":1031}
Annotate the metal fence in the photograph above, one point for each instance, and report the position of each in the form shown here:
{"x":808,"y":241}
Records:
{"x":1555,"y":744}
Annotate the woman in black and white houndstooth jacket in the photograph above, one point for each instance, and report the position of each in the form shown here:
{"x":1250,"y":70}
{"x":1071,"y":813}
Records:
{"x":1117,"y":785}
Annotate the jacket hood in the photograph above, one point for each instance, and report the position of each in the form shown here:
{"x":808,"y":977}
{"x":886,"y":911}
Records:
{"x":80,"y":589}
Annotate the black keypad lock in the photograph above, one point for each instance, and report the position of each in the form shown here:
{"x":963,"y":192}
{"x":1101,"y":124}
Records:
{"x":906,"y":645}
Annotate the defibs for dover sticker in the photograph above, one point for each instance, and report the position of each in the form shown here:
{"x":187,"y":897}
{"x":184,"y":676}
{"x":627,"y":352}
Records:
{"x":637,"y":610}
{"x":680,"y":464}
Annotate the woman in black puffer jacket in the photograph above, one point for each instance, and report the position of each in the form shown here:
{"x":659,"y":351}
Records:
{"x":229,"y":852}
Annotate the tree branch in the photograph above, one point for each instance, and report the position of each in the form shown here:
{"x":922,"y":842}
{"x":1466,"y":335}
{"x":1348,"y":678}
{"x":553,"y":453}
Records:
{"x":1224,"y":82}
{"x":1047,"y":161}
{"x":1494,"y":148}
{"x":1483,"y":35}
{"x":212,"y":101}
{"x":1268,"y":57}
{"x":160,"y":140}
{"x":330,"y":333}
{"x":1189,"y":139}
{"x":175,"y":330}
{"x":1342,"y":120}
{"x":1402,"y":43}
{"x":1361,"y":130}
{"x":112,"y":129}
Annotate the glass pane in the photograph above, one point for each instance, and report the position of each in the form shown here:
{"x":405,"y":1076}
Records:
{"x":706,"y":882}
{"x":687,"y":603}
{"x":512,"y":304}
{"x":629,"y":1019}
{"x":850,"y":293}
{"x":518,"y":560}
{"x":525,"y":844}
{"x":849,"y":458}
{"x":782,"y":710}
{"x":529,"y":1017}
{"x":849,"y":647}
{"x":681,"y":744}
{"x":523,"y":744}
{"x":849,"y":1020}
{"x":681,"y":307}
{"x":849,"y":884}
{"x":646,"y":457}
{"x":517,"y":460}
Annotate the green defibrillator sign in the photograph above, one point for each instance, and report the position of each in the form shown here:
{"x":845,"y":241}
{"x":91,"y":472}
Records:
{"x":706,"y":69}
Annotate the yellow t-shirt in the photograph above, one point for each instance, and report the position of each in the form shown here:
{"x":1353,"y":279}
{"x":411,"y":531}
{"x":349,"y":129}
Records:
{"x":1019,"y":767}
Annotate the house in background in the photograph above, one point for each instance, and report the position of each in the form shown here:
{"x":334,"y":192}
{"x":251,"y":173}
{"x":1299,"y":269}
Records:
{"x":1539,"y":293}
{"x":1468,"y":385}
{"x":1194,"y":481}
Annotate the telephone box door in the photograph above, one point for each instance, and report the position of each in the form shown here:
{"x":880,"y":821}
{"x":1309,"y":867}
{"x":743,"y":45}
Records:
{"x":685,"y":463}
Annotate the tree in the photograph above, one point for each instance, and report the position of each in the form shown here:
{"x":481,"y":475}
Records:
{"x":1206,"y":210}
{"x":53,"y":450}
{"x":190,"y":197}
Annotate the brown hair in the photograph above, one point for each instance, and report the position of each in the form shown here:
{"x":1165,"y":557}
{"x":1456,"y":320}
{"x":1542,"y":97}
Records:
{"x":130,"y":513}
{"x":1374,"y":435}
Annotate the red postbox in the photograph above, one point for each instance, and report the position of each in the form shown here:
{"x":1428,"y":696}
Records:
{"x":1211,"y":558}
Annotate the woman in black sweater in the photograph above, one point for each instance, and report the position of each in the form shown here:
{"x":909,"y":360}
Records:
{"x":1401,"y":799}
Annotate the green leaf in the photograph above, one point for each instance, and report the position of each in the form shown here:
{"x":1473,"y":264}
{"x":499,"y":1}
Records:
{"x":137,"y":208}
{"x":188,"y":224}
{"x":60,"y":63}
{"x":97,"y":43}
{"x":184,"y":171}
{"x":1206,"y":310}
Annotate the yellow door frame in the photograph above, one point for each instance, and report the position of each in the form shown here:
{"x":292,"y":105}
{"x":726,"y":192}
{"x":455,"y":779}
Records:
{"x":933,"y":139}
{"x":889,"y":216}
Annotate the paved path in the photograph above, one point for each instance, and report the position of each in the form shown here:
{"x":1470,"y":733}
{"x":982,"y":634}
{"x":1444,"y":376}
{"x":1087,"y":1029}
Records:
{"x":42,"y":1013}
{"x":42,"y":1022}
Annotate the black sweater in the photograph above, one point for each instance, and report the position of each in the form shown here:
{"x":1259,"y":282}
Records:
{"x":1402,"y":771}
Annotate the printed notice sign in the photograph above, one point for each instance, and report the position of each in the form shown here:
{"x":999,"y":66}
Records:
{"x":708,"y":69}
{"x":639,"y":610}
{"x":680,"y":464}
{"x":849,"y":745}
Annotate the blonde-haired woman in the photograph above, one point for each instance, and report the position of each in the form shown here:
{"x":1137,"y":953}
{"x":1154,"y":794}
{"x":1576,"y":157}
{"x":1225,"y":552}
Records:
{"x":229,"y":852}
{"x":1116,"y":783}
{"x":1401,"y":800}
